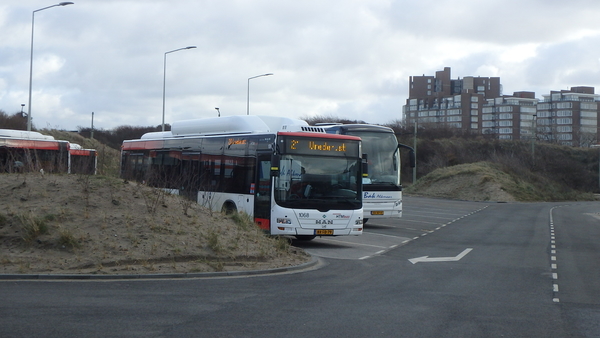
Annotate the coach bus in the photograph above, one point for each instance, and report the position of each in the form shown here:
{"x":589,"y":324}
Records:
{"x":382,"y":185}
{"x":292,"y":178}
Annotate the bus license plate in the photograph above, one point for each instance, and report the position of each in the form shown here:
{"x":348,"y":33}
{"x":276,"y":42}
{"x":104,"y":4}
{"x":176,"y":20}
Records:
{"x":378,"y":212}
{"x":321,"y":232}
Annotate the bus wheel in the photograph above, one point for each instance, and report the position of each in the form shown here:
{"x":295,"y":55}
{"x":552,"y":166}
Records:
{"x":305,"y":237}
{"x":228,"y":208}
{"x":365,"y":220}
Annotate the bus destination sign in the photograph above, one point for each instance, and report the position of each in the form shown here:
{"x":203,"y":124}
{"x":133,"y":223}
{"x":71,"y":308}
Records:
{"x":316,"y":146}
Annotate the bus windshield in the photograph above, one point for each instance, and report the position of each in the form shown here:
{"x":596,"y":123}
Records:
{"x":315,"y":182}
{"x":382,"y":156}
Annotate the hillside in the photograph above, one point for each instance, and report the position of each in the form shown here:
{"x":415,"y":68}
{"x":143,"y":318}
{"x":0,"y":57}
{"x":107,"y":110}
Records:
{"x":71,"y":224}
{"x":487,"y":181}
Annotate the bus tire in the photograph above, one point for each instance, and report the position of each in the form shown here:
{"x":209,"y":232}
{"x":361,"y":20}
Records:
{"x":228,"y":208}
{"x":305,"y":237}
{"x":365,"y":220}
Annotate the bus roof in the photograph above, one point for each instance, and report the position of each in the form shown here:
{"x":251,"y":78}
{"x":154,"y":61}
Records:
{"x":26,"y":135}
{"x":238,"y":124}
{"x":343,"y":128}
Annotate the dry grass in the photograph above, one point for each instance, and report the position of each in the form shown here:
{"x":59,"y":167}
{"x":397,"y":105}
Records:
{"x":96,"y":224}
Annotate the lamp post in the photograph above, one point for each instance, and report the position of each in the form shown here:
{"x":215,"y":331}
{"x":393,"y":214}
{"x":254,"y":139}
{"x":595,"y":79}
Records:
{"x":415,"y":149}
{"x":248,"y":94}
{"x":533,"y":137}
{"x":31,"y":59}
{"x":218,"y":112}
{"x":165,"y":80}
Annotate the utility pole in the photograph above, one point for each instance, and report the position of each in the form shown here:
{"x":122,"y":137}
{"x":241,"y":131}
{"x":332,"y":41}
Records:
{"x":415,"y":148}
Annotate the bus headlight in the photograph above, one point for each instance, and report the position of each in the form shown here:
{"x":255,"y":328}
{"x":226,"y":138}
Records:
{"x":358,"y":221}
{"x":284,"y":221}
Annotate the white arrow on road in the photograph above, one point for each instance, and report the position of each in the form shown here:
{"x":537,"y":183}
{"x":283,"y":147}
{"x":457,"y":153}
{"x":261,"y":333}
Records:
{"x":440,"y":259}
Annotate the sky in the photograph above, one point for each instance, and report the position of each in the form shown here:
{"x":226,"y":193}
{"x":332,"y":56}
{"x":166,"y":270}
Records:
{"x":342,"y":58}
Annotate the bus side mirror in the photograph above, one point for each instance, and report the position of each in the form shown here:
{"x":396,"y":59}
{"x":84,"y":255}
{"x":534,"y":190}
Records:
{"x":275,"y":159}
{"x":411,"y":158}
{"x":411,"y":154}
{"x":365,"y":166}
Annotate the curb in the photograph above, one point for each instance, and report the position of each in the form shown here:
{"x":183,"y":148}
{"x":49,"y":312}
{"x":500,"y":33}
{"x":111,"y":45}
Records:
{"x":47,"y":277}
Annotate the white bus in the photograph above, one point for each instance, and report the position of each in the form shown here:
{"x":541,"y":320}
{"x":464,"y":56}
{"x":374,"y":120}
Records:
{"x":293,"y":179}
{"x":382,"y":186}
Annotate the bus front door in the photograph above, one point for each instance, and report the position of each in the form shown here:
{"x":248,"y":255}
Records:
{"x":262,"y":191}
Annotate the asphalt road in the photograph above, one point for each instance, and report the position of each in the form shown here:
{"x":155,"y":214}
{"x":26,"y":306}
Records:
{"x":446,"y":269}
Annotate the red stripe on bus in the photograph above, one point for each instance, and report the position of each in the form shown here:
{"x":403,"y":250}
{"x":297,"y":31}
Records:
{"x":81,"y":152}
{"x":30,"y":144}
{"x":142,"y":145}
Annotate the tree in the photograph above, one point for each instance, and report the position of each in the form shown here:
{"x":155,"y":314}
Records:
{"x":17,"y":121}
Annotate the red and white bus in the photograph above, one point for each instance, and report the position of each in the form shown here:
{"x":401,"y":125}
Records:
{"x":25,"y":151}
{"x":293,"y":179}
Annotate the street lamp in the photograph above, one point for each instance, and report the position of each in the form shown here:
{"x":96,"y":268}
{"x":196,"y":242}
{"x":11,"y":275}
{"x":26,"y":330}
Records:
{"x":31,"y":59}
{"x":218,"y":112}
{"x":248,"y":94}
{"x":165,"y":80}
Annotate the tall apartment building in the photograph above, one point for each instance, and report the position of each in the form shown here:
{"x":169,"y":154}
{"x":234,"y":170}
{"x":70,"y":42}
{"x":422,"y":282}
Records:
{"x":569,"y":117}
{"x":476,"y":105}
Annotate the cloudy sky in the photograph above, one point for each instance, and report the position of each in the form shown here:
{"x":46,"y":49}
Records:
{"x":345,"y":58}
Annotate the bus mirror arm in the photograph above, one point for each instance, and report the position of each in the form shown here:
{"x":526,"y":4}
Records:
{"x":411,"y":154}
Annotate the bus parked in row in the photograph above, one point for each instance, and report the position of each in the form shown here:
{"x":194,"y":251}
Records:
{"x":292,"y":178}
{"x":27,"y":151}
{"x":382,"y":186}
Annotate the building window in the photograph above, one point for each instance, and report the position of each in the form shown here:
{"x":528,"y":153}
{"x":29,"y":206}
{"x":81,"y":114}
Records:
{"x":589,"y":114}
{"x":564,"y":121}
{"x":589,"y":122}
{"x":563,"y":105}
{"x":589,"y":106}
{"x":564,"y":113}
{"x":564,"y":129}
{"x":543,"y":114}
{"x":565,"y":136}
{"x":474,"y":126}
